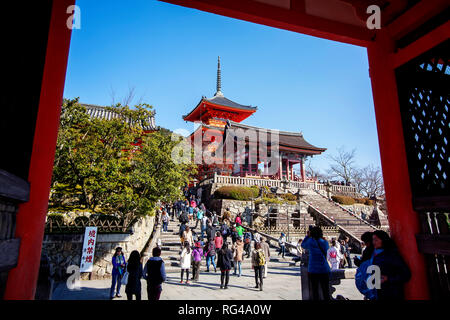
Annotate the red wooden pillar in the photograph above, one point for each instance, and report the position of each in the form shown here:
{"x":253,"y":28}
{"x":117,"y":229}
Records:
{"x":30,"y":221}
{"x":403,"y":220}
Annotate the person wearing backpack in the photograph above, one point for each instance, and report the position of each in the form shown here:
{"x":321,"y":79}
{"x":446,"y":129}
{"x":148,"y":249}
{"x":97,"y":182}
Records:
{"x":258,"y":262}
{"x":334,"y":256}
{"x":225,"y":232}
{"x":318,"y":267}
{"x":265,"y":247}
{"x":155,"y":274}
{"x":247,"y":243}
{"x":184,"y":218}
{"x":210,"y":253}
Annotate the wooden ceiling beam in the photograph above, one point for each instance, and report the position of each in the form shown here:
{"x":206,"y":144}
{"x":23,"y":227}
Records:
{"x":416,"y":16}
{"x":293,"y":20}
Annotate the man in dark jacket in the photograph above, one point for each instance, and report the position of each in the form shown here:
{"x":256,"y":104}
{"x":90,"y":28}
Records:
{"x":225,"y":231}
{"x":155,"y":274}
{"x":210,"y":230}
{"x":184,"y":218}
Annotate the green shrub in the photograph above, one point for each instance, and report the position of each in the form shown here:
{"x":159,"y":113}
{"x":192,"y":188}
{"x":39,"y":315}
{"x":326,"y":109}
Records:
{"x":365,"y":201}
{"x":343,"y":200}
{"x":289,"y":197}
{"x":268,"y":200}
{"x":237,"y":193}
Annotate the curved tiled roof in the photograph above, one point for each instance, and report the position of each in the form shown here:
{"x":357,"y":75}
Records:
{"x":221,"y":100}
{"x":287,"y":139}
{"x":102,"y":112}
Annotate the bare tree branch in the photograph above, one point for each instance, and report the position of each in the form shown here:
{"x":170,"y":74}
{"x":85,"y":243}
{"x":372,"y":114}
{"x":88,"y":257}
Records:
{"x":313,"y":172}
{"x":369,"y":181}
{"x":112,"y":94}
{"x":129,"y":97}
{"x":343,"y":164}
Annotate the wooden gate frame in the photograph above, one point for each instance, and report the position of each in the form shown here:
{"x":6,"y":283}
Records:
{"x":384,"y":57}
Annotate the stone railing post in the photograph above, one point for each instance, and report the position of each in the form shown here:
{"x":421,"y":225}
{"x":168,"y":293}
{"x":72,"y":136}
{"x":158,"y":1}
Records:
{"x":305,"y":282}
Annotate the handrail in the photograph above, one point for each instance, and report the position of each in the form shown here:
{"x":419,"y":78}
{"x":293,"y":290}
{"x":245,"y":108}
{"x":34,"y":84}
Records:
{"x":326,"y":218}
{"x":349,"y":212}
{"x":267,"y":236}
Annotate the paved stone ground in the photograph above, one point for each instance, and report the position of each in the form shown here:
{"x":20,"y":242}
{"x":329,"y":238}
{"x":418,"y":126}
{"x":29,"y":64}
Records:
{"x":283,"y":281}
{"x":279,"y":285}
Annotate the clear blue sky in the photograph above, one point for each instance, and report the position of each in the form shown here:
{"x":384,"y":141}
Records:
{"x":169,"y":54}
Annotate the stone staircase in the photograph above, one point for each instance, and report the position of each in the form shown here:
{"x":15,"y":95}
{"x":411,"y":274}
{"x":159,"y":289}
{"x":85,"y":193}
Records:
{"x":171,"y":250}
{"x":344,"y":219}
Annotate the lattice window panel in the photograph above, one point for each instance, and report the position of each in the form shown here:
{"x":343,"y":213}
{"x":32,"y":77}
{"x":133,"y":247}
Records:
{"x":424,"y":93}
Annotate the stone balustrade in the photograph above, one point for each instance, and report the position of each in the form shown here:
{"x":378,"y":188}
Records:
{"x":261,"y":182}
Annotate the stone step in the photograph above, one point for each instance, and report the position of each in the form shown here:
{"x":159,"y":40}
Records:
{"x":171,"y":244}
{"x":170,"y":248}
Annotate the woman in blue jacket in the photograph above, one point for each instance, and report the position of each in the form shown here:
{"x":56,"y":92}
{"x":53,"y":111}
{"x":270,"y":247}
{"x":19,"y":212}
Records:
{"x":394,"y":271}
{"x":318,"y":267}
{"x":119,"y":264}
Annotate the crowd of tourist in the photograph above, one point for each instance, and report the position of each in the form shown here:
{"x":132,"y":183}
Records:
{"x":224,"y":243}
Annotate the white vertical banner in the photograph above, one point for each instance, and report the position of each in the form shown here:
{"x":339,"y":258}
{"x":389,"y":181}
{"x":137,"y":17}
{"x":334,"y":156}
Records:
{"x":87,"y":256}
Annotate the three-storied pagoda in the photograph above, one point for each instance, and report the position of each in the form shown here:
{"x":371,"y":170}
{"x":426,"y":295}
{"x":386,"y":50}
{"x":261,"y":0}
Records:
{"x":219,"y":117}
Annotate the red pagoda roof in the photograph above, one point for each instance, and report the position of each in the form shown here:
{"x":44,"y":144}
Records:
{"x":219,"y":107}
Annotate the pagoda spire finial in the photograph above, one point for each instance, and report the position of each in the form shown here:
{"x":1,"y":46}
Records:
{"x":219,"y":79}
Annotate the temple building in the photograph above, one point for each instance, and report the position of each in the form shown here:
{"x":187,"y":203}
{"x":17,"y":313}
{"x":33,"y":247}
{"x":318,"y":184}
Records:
{"x":107,"y":113}
{"x":219,"y":119}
